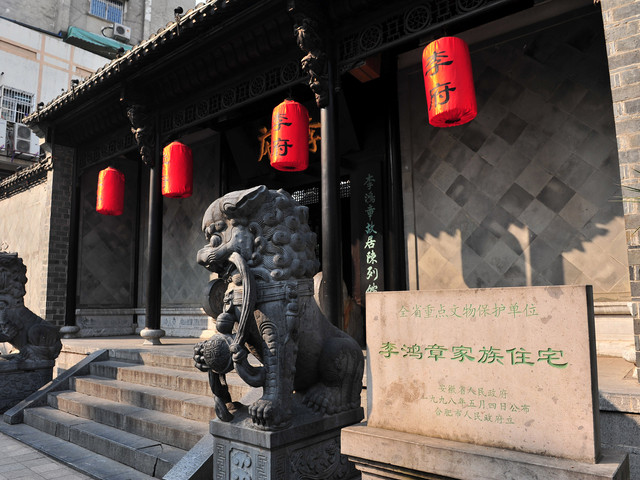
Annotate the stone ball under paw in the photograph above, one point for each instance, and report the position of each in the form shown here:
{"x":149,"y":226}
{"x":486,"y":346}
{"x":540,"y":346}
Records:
{"x":217,"y":354}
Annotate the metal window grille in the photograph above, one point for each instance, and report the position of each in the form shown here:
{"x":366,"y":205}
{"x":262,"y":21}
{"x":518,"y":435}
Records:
{"x":308,"y":196}
{"x":311,"y":195}
{"x":14,"y":104}
{"x":345,"y":188}
{"x":111,"y":10}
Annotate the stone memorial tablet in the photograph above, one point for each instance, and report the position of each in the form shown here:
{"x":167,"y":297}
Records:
{"x":500,"y":367}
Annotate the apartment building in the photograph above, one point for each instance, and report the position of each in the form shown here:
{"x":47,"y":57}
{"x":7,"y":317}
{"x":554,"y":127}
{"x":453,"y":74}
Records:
{"x":47,"y":46}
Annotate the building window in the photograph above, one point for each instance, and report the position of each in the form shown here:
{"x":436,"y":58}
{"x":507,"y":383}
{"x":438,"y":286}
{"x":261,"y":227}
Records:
{"x":111,"y":10}
{"x":311,"y":195}
{"x":14,"y":104}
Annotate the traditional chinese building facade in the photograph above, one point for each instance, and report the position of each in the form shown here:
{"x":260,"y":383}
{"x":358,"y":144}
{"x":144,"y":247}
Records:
{"x":526,"y":193}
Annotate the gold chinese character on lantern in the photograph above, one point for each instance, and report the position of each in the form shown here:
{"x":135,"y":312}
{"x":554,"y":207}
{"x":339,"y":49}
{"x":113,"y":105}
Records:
{"x":265,"y":140}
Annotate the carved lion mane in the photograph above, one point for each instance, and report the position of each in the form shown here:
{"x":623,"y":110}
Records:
{"x":284,"y":245}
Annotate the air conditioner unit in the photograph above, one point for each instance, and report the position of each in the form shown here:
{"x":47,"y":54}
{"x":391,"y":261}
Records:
{"x":122,"y":33}
{"x":3,"y":135}
{"x":24,"y":140}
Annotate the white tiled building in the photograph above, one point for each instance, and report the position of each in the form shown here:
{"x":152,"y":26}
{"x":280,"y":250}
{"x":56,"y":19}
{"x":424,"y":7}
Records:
{"x":44,"y":45}
{"x":35,"y":67}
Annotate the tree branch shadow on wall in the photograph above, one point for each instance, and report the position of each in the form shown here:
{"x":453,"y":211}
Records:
{"x":528,"y":188}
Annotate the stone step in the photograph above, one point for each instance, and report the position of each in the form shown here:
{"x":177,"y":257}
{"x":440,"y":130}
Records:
{"x":74,"y":456}
{"x":194,"y":382}
{"x":147,"y":456}
{"x":194,"y":407}
{"x":162,"y":427}
{"x":168,"y":357}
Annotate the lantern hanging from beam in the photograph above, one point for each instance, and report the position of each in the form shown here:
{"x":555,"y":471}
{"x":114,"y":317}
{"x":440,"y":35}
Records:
{"x":177,"y":171}
{"x":110,"y":195}
{"x":290,"y":137}
{"x":448,"y":82}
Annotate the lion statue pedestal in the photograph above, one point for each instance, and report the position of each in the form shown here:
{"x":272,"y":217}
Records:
{"x":18,"y":380}
{"x":260,"y":245}
{"x":308,"y":449}
{"x":36,"y":341}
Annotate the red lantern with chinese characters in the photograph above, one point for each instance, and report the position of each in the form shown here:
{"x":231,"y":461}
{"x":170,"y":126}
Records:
{"x":448,"y":82}
{"x":110,"y":196}
{"x":177,"y":171}
{"x":290,"y":137}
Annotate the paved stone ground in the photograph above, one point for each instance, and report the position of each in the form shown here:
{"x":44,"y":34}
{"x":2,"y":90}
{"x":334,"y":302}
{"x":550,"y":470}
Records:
{"x":20,"y":462}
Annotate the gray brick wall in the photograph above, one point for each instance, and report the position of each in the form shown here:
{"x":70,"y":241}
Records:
{"x":621,"y":20}
{"x":59,"y":227}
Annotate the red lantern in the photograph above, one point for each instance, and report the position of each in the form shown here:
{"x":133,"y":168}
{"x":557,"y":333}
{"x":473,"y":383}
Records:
{"x":290,"y":137}
{"x":448,"y":82}
{"x":110,"y":196}
{"x":177,"y":171}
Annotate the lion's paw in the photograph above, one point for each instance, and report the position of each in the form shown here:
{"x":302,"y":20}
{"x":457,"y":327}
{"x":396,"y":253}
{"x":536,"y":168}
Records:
{"x":324,"y":399}
{"x":269,"y":413}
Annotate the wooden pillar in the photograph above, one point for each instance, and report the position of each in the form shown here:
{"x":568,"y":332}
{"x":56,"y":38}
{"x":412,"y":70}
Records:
{"x":146,"y":132}
{"x":330,"y":207}
{"x":152,"y":331}
{"x":313,"y":35}
{"x":394,"y":247}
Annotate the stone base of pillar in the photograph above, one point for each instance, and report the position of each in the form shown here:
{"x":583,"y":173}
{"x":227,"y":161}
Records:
{"x":105,"y":322}
{"x":309,"y":448}
{"x":390,"y":455}
{"x":152,"y":336}
{"x":69,"y":331}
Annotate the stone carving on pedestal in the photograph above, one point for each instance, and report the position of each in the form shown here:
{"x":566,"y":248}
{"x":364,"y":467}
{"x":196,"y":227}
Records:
{"x":240,"y":465}
{"x":323,"y":460}
{"x":36,"y":343}
{"x":33,"y":338}
{"x":260,"y":245}
{"x":309,"y":373}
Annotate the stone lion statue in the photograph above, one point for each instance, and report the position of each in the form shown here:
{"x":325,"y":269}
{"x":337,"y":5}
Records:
{"x":24,"y":330}
{"x":263,"y":250}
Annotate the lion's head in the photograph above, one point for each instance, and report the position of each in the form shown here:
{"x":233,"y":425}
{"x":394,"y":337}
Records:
{"x":268,"y":228}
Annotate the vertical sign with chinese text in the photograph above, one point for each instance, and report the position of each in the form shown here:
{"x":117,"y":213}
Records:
{"x":368,"y":223}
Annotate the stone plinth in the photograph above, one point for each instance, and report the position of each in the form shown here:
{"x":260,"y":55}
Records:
{"x":614,"y":330}
{"x":387,"y":454}
{"x":105,"y":322}
{"x":18,"y":380}
{"x":180,"y":322}
{"x":309,"y":448}
{"x":482,"y":384}
{"x":69,"y":331}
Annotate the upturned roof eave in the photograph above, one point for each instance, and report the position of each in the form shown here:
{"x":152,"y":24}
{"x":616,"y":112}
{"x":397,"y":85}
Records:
{"x":120,"y":68}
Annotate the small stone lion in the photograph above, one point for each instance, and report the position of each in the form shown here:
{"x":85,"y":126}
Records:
{"x":261,"y":246}
{"x":35,"y":339}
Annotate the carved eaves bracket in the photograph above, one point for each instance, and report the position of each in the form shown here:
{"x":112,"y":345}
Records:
{"x":309,"y":29}
{"x":142,"y":127}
